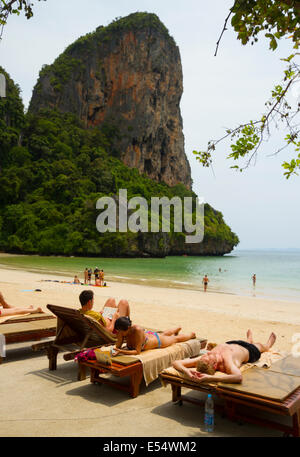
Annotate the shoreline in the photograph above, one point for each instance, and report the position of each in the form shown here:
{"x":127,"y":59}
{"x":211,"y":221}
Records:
{"x":155,"y":283}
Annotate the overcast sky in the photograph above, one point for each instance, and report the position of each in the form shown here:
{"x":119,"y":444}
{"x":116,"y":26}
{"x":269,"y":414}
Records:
{"x":260,"y":205}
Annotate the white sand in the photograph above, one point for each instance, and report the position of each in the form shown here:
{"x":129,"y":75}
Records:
{"x":37,"y":402}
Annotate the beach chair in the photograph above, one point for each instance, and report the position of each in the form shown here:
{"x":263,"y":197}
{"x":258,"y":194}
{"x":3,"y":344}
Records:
{"x":146,"y":365}
{"x":75,"y":332}
{"x":275,"y":390}
{"x":31,"y":327}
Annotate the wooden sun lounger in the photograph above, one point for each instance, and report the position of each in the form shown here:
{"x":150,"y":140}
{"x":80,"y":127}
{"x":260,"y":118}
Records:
{"x":243,"y":405}
{"x":133,"y":370}
{"x":75,"y":332}
{"x":34,"y":327}
{"x":121,"y":367}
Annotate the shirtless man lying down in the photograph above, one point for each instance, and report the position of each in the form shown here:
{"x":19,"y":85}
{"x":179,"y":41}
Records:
{"x":226,"y":358}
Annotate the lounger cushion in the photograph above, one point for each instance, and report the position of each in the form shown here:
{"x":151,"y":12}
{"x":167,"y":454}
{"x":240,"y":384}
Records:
{"x":265,"y":383}
{"x":155,"y":360}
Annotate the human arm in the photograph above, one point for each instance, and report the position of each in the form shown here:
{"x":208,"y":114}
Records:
{"x":120,"y":339}
{"x":126,"y":351}
{"x":224,"y":377}
{"x":186,"y":366}
{"x":136,"y":342}
{"x":234,"y":376}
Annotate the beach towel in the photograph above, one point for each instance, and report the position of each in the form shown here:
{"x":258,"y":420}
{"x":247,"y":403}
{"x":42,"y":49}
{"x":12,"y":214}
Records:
{"x":266,"y":359}
{"x":156,"y":360}
{"x":6,"y":318}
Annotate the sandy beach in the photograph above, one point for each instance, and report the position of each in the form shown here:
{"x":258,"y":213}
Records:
{"x":36,"y":402}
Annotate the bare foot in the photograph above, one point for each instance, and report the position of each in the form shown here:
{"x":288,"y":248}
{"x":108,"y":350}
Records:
{"x":271,"y":340}
{"x":177,"y":330}
{"x":249,"y":336}
{"x":37,"y":310}
{"x":193,"y":335}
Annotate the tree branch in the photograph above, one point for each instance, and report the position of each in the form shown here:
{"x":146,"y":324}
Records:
{"x":224,"y":29}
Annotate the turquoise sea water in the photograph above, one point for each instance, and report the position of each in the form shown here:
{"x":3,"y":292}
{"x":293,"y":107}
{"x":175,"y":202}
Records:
{"x":277,"y":271}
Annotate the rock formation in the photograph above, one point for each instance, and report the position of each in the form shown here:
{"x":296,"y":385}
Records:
{"x":127,"y":75}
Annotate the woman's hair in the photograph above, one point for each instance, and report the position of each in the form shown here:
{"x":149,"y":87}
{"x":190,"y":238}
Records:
{"x":123,"y":323}
{"x":86,"y":296}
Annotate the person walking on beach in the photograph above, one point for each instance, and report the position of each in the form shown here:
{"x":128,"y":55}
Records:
{"x":254,"y":279}
{"x":138,"y":340}
{"x":8,"y":310}
{"x":101,"y":276}
{"x":226,"y":358}
{"x":96,"y":273}
{"x":205,"y":282}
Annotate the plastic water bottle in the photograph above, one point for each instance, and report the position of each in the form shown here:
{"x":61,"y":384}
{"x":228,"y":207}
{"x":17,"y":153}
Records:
{"x":209,"y":414}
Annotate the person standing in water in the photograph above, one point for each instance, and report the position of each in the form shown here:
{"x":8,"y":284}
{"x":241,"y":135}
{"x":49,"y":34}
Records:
{"x":86,"y":276}
{"x":254,"y":279}
{"x":205,"y":282}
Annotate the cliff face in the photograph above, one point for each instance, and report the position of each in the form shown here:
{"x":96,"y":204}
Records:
{"x":127,"y":75}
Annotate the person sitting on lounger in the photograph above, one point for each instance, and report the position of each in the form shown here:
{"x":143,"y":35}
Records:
{"x":139,"y":340}
{"x":8,"y":310}
{"x":226,"y":358}
{"x":109,"y":313}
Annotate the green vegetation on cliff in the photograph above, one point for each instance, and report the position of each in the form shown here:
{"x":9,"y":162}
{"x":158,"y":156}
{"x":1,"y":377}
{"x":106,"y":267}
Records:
{"x":62,"y":68}
{"x":52,"y":173}
{"x":134,"y":22}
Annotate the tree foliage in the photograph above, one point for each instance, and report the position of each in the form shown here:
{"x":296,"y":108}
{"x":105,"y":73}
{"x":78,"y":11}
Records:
{"x":275,"y":20}
{"x":8,"y":7}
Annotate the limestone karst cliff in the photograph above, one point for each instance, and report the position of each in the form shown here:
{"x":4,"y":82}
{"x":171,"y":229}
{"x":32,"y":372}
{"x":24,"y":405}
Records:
{"x":127,"y":75}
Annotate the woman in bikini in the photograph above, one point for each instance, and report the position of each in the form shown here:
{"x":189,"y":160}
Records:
{"x":139,"y":340}
{"x":8,"y":310}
